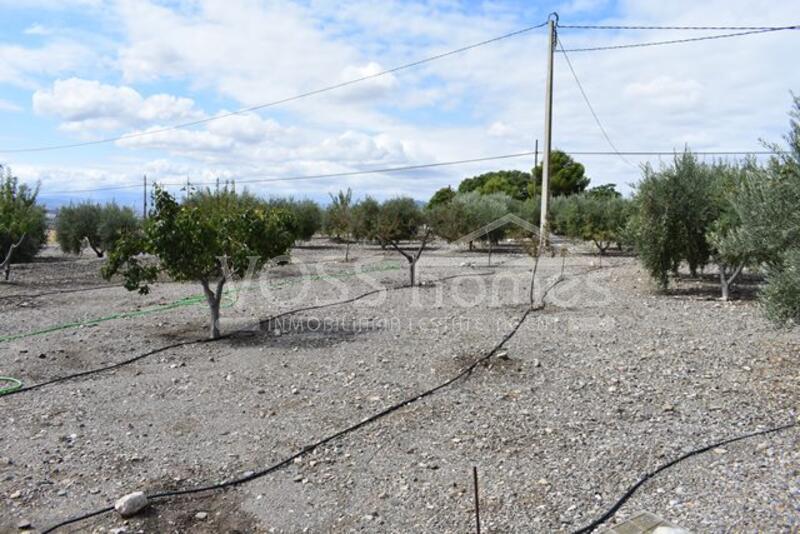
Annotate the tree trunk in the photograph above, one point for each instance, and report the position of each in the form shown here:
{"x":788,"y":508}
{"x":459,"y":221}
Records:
{"x":726,"y":278}
{"x":214,"y":298}
{"x":533,"y":276}
{"x":490,"y":252}
{"x":347,"y":252}
{"x":6,"y":265}
{"x":724,"y":283}
{"x":97,"y":251}
{"x":412,"y":267}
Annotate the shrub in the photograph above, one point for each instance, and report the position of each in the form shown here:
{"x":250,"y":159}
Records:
{"x":23,"y":222}
{"x":209,"y":238}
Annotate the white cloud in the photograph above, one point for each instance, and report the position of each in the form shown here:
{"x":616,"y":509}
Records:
{"x":666,"y":92}
{"x":20,"y":65}
{"x":37,"y":29}
{"x":714,"y":94}
{"x":178,"y":141}
{"x":88,"y":105}
{"x":499,"y":129}
{"x":5,"y":105}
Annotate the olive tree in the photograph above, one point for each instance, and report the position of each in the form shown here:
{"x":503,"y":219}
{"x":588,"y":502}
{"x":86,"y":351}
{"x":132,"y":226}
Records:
{"x":23,"y":222}
{"x":339,"y":220}
{"x":307,"y":215}
{"x":98,"y":225}
{"x":401,"y":219}
{"x":364,"y":219}
{"x":208,"y":239}
{"x":675,"y":212}
{"x":766,"y":205}
{"x":596,"y":218}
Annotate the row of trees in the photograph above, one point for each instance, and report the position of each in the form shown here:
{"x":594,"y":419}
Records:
{"x":734,"y":215}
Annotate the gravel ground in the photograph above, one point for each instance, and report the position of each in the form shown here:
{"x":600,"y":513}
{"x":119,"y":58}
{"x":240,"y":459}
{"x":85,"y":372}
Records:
{"x":603,"y":385}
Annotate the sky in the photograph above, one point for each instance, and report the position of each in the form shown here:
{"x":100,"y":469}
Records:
{"x":82,"y":70}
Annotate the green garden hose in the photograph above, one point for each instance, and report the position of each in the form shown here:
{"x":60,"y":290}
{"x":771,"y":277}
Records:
{"x":8,"y":384}
{"x":229,"y":296}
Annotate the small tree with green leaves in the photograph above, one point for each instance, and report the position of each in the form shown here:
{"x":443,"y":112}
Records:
{"x":307,"y":215}
{"x":400,"y":219}
{"x":208,"y":239}
{"x":676,"y":209}
{"x":23,"y":222}
{"x":766,"y":205}
{"x":99,"y":226}
{"x":364,"y":219}
{"x":339,"y":218}
{"x":596,"y":218}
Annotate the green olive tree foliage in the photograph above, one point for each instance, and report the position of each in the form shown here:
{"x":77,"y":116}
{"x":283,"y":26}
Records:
{"x":675,"y":212}
{"x":597,"y":218}
{"x":401,"y":219}
{"x":307,"y":215}
{"x":208,"y":239}
{"x":364,"y":219}
{"x":766,"y":206}
{"x":339,"y":218}
{"x":23,"y":222}
{"x":100,"y":226}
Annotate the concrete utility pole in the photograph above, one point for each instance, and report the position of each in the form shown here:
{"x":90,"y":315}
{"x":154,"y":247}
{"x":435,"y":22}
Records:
{"x":144,"y":204}
{"x":548,"y":128}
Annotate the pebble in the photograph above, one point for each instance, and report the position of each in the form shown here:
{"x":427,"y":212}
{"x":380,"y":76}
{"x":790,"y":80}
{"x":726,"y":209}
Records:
{"x":201,"y":516}
{"x":131,"y":504}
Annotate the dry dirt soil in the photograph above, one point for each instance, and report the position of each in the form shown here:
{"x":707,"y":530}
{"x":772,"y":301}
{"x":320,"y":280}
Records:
{"x":604,"y":384}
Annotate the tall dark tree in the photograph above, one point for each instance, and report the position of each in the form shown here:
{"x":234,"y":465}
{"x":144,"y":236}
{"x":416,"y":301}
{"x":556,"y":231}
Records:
{"x":567,"y":176}
{"x":442,"y":196}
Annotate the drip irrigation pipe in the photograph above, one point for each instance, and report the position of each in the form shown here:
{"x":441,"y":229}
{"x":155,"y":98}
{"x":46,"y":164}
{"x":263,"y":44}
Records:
{"x":309,"y":448}
{"x":222,"y":337}
{"x":628,"y":494}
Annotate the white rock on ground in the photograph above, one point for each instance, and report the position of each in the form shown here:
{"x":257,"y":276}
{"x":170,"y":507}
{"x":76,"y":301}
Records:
{"x":130,"y":504}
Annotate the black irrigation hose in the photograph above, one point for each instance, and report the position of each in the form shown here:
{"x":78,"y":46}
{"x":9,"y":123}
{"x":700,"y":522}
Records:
{"x":309,"y":448}
{"x":220,"y":338}
{"x":57,"y":292}
{"x":628,"y":494}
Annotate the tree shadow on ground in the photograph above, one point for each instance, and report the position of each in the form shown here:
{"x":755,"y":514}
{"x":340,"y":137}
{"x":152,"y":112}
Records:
{"x":706,"y":286}
{"x":306,"y":332}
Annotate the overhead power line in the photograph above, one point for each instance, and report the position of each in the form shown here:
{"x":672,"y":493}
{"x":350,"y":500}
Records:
{"x":591,"y":108}
{"x":705,"y":28}
{"x":254,"y":180}
{"x":286,"y":100}
{"x":680,"y":41}
{"x":404,"y":168}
